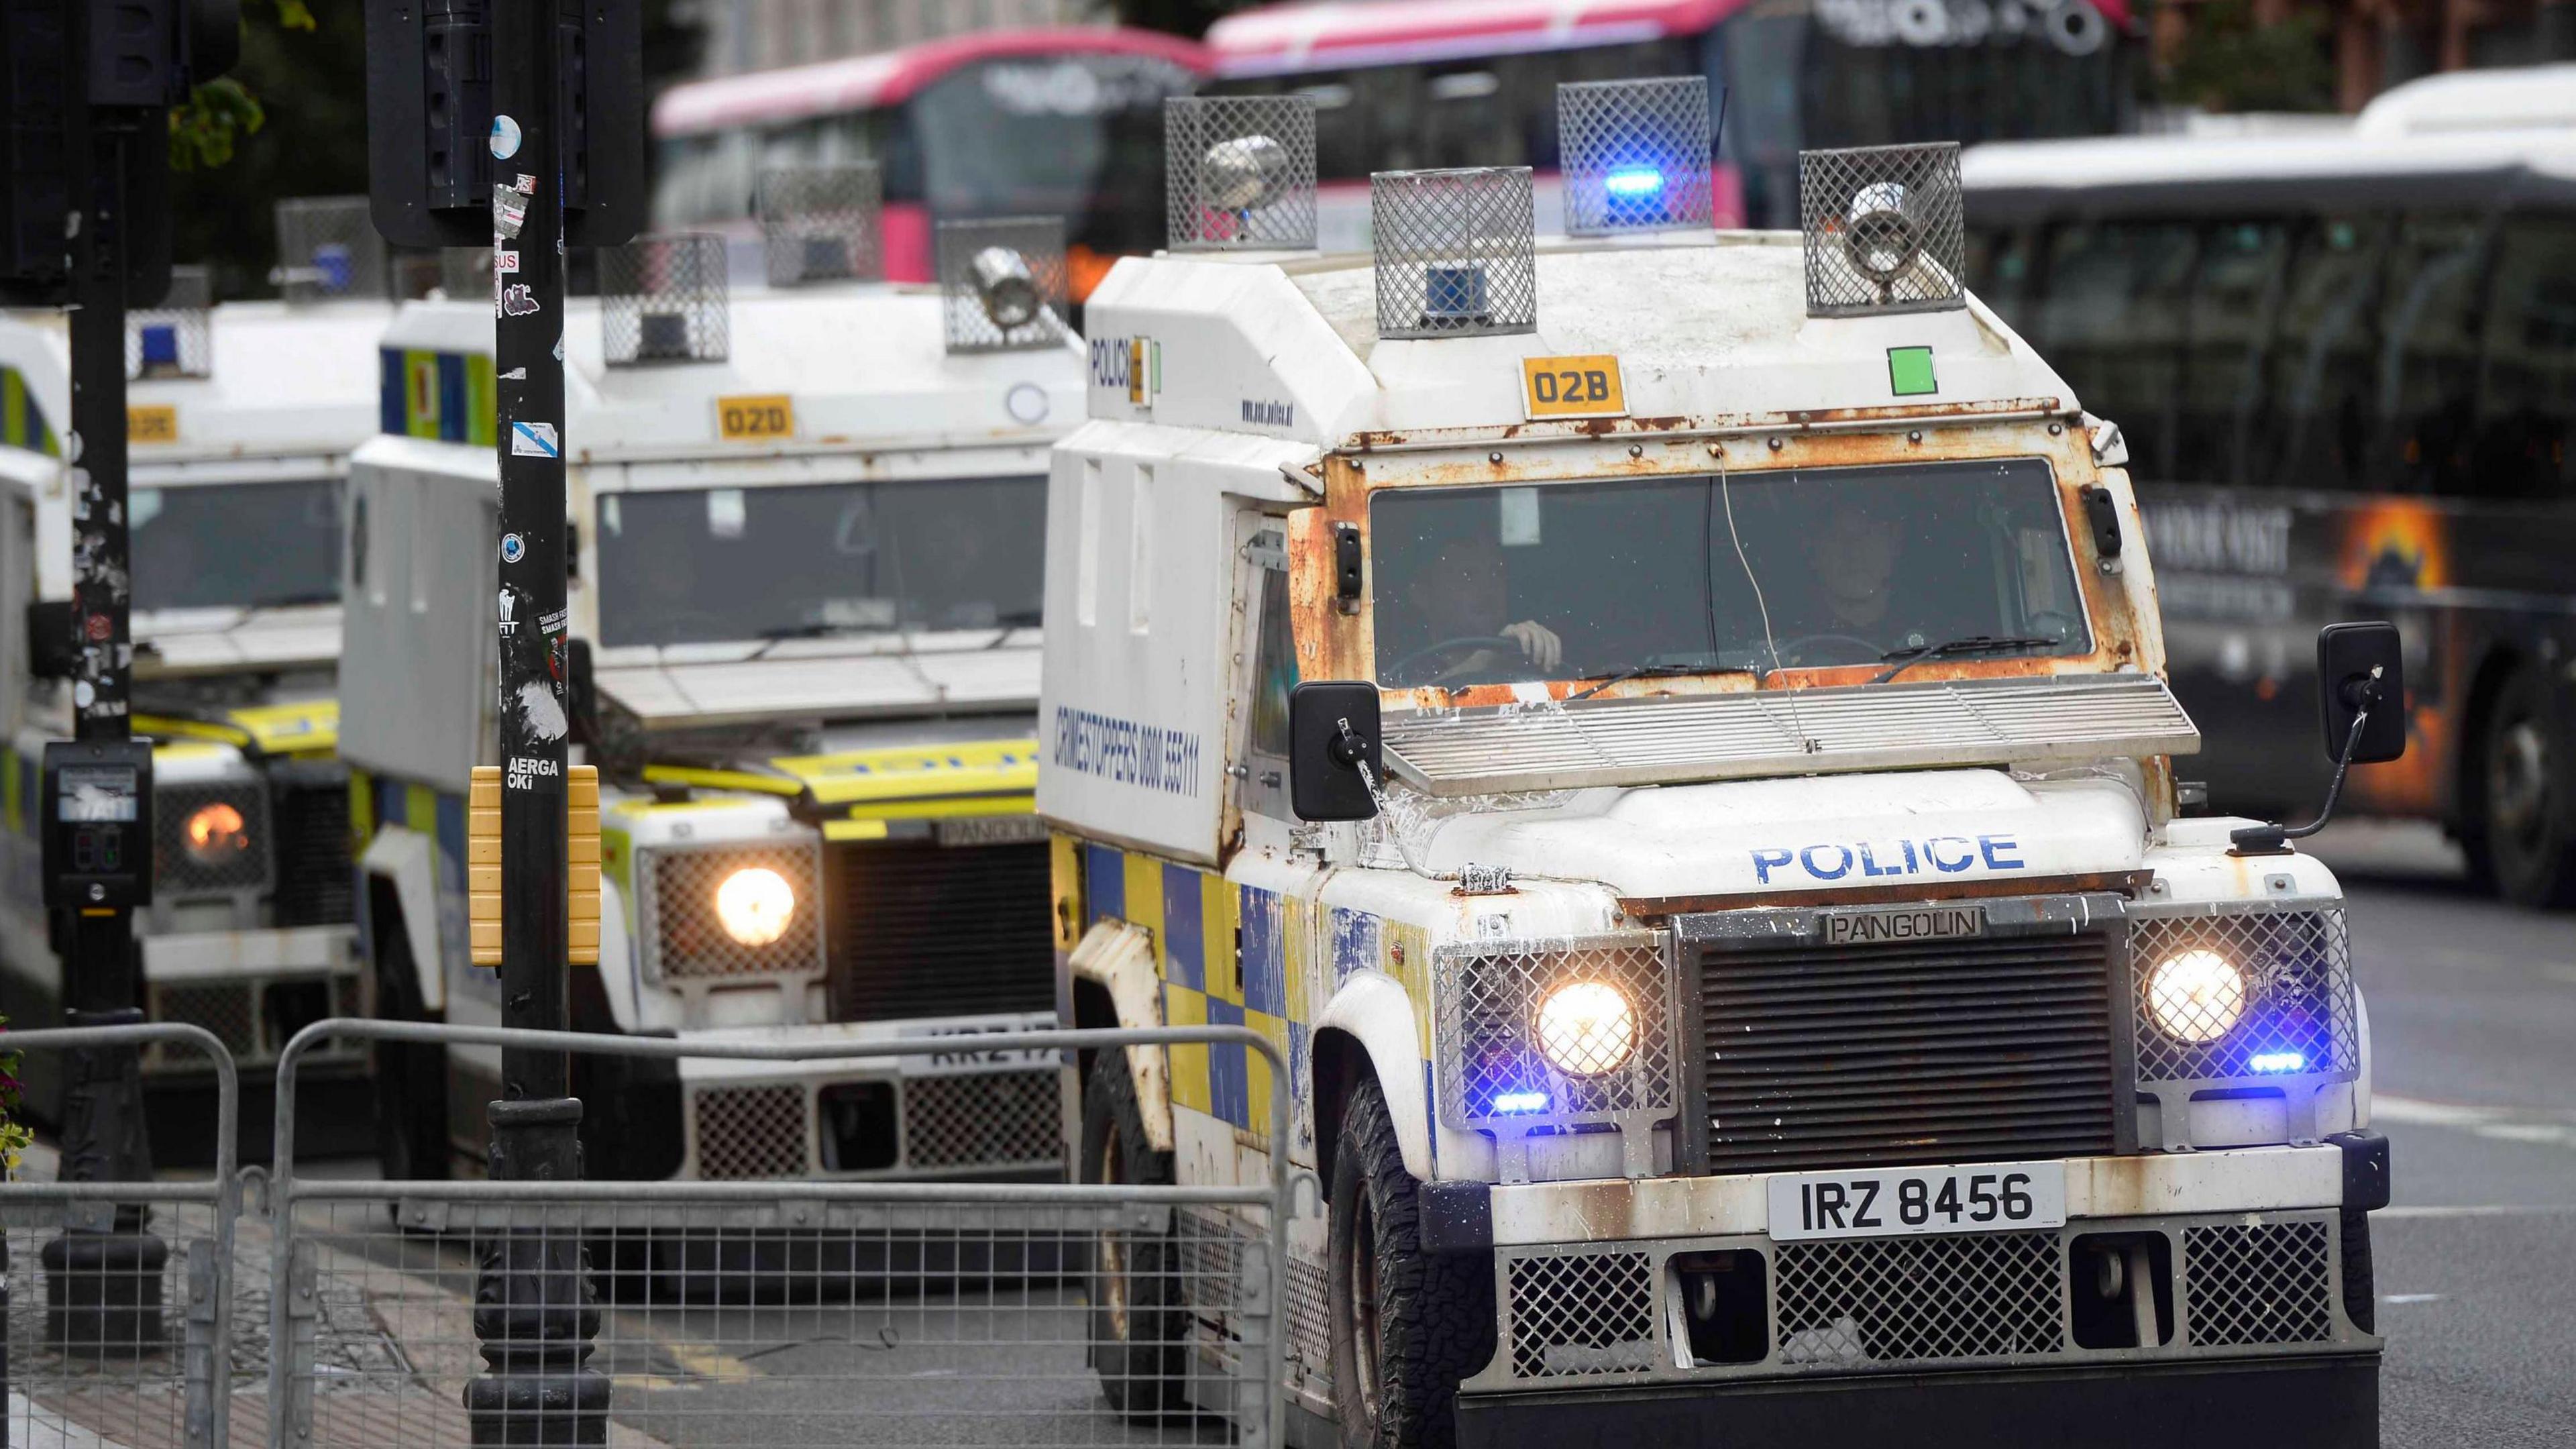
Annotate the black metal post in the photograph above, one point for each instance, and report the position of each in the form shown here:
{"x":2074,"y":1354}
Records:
{"x":102,"y":1288}
{"x":533,"y":1309}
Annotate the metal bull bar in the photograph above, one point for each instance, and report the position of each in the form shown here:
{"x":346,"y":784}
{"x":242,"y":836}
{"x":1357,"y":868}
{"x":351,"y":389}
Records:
{"x":103,"y":1366}
{"x":373,"y":1247}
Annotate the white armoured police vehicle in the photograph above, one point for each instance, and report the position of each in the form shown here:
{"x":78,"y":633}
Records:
{"x":241,"y":418}
{"x":803,"y":655}
{"x":1669,"y":735}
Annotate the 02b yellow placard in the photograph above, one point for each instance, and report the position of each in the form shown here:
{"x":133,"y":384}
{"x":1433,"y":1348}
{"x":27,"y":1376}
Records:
{"x":1573,"y":387}
{"x":152,"y":423}
{"x":767,"y":418}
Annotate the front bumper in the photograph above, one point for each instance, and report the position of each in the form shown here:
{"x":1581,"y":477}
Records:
{"x":943,"y":1110}
{"x":253,"y":989}
{"x":2324,"y":1402}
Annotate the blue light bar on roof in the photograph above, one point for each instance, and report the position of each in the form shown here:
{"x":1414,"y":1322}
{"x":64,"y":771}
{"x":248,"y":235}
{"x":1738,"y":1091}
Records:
{"x":1633,"y":181}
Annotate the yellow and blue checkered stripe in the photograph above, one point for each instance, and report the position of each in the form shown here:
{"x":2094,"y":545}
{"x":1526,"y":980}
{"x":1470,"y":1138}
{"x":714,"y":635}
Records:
{"x":446,"y":396}
{"x":22,"y":423}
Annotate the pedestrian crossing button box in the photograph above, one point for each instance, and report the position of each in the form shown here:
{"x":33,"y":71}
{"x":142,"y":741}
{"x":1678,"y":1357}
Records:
{"x":96,"y":805}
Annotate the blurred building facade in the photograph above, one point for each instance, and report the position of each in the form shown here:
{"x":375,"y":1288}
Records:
{"x":749,"y":35}
{"x":2370,"y":45}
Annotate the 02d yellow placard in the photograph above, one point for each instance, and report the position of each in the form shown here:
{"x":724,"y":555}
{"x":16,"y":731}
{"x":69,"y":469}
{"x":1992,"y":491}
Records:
{"x":1573,"y":387}
{"x":767,"y":418}
{"x":152,"y":423}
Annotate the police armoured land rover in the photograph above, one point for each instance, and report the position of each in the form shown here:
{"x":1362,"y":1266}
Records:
{"x":240,"y":419}
{"x":802,"y":655}
{"x":1667,"y":732}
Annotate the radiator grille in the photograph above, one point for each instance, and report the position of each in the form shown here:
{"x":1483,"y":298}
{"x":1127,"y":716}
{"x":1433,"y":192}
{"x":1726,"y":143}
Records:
{"x":931,"y":930}
{"x":316,"y":879}
{"x":2256,"y":1283}
{"x":1977,"y":1050}
{"x":1897,"y":1300}
{"x":1574,"y":1314}
{"x":982,"y":1119}
{"x":746,"y":1132}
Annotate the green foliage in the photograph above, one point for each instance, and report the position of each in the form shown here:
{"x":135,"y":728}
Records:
{"x":2229,"y":62}
{"x":205,"y":131}
{"x":14,"y":1136}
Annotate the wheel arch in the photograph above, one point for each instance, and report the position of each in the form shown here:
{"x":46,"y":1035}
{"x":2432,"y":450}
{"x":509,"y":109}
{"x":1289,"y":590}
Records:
{"x":1113,"y":964}
{"x":395,"y":871}
{"x":1367,"y":1030}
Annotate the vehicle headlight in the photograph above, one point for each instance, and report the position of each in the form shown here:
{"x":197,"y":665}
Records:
{"x":755,"y":905}
{"x":1587,"y":1028}
{"x":216,"y":833}
{"x":2196,"y":995}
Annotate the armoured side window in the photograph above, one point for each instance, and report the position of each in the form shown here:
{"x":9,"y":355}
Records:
{"x":1274,"y":671}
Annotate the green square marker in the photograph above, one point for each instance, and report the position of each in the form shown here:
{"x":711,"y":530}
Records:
{"x":1909,"y":371}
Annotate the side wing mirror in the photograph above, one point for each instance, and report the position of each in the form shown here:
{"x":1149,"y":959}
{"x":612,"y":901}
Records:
{"x":1333,"y":754}
{"x":2361,"y":672}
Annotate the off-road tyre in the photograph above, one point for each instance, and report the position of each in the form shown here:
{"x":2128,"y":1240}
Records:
{"x":1434,"y":1318}
{"x":2522,"y":840}
{"x":411,"y":1077}
{"x":1139,"y":1318}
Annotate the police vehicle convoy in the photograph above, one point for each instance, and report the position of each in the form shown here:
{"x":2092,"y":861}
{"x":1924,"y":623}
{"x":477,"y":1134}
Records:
{"x":802,"y":651}
{"x":1667,"y":731}
{"x":240,"y":421}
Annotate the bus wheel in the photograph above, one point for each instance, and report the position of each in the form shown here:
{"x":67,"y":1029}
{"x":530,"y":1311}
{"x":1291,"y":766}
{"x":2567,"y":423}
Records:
{"x":1407,"y":1325}
{"x":411,"y":1078}
{"x":2526,"y":838}
{"x":1138,"y":1313}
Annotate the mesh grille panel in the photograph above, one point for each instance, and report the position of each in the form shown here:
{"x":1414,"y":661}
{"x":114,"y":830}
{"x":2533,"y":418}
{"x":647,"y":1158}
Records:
{"x":175,"y":338}
{"x":748,"y":1132}
{"x":1489,"y":998}
{"x":690,"y":942}
{"x":1636,"y":154}
{"x":926,"y":930}
{"x":228,"y":1009}
{"x":1884,"y":226}
{"x":328,"y":248}
{"x":2258,"y":1283}
{"x":819,"y":223}
{"x":986,"y":1119}
{"x":218,"y":866}
{"x":1242,"y":172}
{"x":662,"y":299}
{"x":316,"y":879}
{"x":1963,"y":1050}
{"x":2297,"y":999}
{"x":1455,"y":252}
{"x":1582,"y":1313}
{"x":1890,"y":1300}
{"x":1002,"y":283}
{"x":1310,"y":1334}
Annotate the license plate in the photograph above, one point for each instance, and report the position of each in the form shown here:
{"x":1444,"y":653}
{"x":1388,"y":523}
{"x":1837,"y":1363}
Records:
{"x":951,"y":1050}
{"x":1988,"y":1198}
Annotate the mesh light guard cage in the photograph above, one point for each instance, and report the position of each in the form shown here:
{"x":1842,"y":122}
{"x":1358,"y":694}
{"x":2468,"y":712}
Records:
{"x":1213,"y":145}
{"x":1039,"y":243}
{"x":1884,"y":229}
{"x":328,"y":249}
{"x":1456,"y":252}
{"x":662,"y":299}
{"x":175,"y":339}
{"x":1636,"y":154}
{"x":821,"y":223}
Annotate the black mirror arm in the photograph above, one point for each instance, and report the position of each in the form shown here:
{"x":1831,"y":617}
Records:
{"x":2363,"y":695}
{"x":1349,"y":749}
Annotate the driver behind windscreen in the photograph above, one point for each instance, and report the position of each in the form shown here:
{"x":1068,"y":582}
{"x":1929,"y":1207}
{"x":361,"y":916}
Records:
{"x":1854,"y":557}
{"x":1459,"y":609}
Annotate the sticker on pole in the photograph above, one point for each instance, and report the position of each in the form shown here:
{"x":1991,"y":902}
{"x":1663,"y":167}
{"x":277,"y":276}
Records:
{"x":534,"y":440}
{"x":505,"y":137}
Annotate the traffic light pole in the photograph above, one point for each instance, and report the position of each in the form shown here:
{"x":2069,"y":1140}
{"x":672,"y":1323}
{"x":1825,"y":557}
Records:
{"x":533,"y":1311}
{"x":103,"y":1289}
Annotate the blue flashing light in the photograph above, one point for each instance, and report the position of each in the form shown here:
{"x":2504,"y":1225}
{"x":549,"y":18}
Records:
{"x":2277,"y":1061}
{"x":1520,"y":1101}
{"x":160,"y":345}
{"x":1633,"y":181}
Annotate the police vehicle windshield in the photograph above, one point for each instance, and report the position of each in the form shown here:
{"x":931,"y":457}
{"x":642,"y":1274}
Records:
{"x":1853,"y":566}
{"x":705,"y":565}
{"x":235,"y":545}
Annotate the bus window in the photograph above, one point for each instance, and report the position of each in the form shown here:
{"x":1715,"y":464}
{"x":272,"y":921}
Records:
{"x":1999,"y":268}
{"x":2428,"y":373}
{"x":2317,"y":397}
{"x":2112,"y":316}
{"x":2230,"y":315}
{"x":2528,"y":389}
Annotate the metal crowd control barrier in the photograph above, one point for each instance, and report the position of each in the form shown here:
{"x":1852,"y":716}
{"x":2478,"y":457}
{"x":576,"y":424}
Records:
{"x":784,"y":1312}
{"x":119,"y":1328}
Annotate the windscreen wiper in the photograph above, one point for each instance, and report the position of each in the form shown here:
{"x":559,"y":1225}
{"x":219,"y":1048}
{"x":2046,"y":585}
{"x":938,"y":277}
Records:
{"x":1651,"y":671}
{"x":1965,"y":644}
